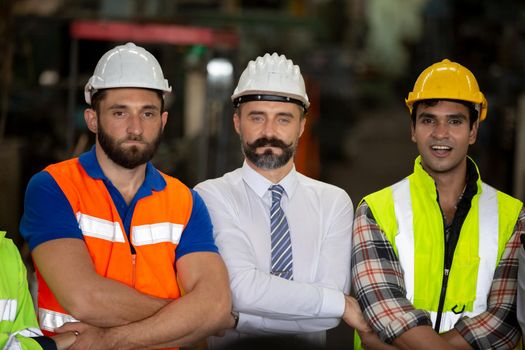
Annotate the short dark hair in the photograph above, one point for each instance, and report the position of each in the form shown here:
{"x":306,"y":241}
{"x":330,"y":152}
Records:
{"x":473,"y":112}
{"x":100,"y":94}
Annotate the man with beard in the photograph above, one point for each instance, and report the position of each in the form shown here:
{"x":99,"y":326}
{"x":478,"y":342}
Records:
{"x":114,"y":240}
{"x":285,"y":238}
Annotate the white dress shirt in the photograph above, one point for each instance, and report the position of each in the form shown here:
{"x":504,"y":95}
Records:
{"x":320,"y":219}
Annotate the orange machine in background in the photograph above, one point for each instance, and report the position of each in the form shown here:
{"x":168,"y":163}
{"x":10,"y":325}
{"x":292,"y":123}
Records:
{"x":307,"y":158}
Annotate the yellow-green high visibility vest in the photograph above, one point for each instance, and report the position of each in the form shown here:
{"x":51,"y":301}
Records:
{"x":17,"y":315}
{"x":410,"y":216}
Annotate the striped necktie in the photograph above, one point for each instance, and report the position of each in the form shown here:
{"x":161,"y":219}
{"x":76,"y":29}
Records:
{"x":282,"y":263}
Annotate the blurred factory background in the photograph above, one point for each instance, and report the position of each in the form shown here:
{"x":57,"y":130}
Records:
{"x":360,"y":59}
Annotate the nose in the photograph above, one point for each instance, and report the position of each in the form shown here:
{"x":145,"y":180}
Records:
{"x":440,"y":130}
{"x":269,"y":128}
{"x":135,"y":124}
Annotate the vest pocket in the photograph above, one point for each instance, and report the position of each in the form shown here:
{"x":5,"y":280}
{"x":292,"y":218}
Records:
{"x":461,"y":291}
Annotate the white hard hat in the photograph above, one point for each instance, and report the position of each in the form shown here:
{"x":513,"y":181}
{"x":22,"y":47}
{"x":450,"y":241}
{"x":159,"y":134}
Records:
{"x":271,"y":78}
{"x":126,"y":66}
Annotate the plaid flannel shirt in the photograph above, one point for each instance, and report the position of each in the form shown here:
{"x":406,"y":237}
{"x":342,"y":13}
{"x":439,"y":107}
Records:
{"x":377,"y":281}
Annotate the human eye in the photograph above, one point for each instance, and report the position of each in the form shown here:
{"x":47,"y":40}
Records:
{"x":284,"y":120}
{"x":456,"y":121}
{"x":256,"y":118}
{"x":119,"y":114}
{"x":148,"y":115}
{"x":426,"y":120}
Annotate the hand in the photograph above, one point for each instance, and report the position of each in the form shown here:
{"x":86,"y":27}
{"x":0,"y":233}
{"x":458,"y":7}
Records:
{"x":232,"y":324}
{"x":88,"y":337}
{"x":353,"y":315}
{"x":64,"y":340}
{"x":370,"y":341}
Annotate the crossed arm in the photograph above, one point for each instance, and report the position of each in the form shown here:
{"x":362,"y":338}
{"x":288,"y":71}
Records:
{"x":68,"y":270}
{"x":268,"y":304}
{"x":378,"y":282}
{"x":101,"y":302}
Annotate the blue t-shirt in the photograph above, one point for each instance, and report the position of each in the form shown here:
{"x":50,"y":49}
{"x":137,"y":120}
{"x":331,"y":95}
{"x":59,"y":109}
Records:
{"x":48,"y":214}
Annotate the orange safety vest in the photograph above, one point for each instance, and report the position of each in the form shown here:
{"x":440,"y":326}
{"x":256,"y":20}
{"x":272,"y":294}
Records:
{"x":156,"y":227}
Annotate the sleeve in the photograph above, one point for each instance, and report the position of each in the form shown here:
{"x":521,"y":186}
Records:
{"x":377,"y":281}
{"x":198,"y":233}
{"x":47,"y":212}
{"x":497,"y":328}
{"x":520,"y":304}
{"x":266,"y":303}
{"x":24,"y":326}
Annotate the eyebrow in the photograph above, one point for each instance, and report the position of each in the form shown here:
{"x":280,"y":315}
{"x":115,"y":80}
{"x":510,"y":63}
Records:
{"x":121,"y":106}
{"x":451,"y":115}
{"x":281,"y":114}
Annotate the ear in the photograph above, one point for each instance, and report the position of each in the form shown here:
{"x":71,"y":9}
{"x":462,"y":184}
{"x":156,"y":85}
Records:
{"x":303,"y":123}
{"x":237,"y":123}
{"x":164,"y":118}
{"x":90,"y":116}
{"x":473,"y":134}
{"x":412,"y":132}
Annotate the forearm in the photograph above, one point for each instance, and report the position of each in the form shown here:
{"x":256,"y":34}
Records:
{"x":257,"y":325}
{"x":383,"y":304}
{"x":370,"y":341}
{"x":263,"y":295}
{"x":423,"y":338}
{"x":179,"y":324}
{"x":68,"y":270}
{"x":202,"y":311}
{"x":109,"y":303}
{"x":456,"y":340}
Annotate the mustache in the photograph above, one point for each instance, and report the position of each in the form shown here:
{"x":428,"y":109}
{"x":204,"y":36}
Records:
{"x":133,"y":138}
{"x":272,"y":142}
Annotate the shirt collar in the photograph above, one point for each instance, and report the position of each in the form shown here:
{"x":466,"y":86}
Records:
{"x":473,"y":177}
{"x":260,"y":185}
{"x":153,"y":179}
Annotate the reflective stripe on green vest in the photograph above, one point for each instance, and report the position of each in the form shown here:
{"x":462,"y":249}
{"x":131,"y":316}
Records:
{"x":409,"y":214}
{"x":17,"y":314}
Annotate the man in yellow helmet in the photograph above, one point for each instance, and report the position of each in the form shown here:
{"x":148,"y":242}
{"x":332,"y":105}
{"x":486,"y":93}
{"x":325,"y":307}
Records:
{"x":434,"y":257}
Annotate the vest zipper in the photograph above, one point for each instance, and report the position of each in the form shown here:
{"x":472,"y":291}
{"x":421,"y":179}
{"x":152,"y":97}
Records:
{"x":133,"y":268}
{"x":442,"y":299}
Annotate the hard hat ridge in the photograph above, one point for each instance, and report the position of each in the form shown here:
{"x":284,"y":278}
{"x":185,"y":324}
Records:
{"x":271,"y":78}
{"x":126,"y":66}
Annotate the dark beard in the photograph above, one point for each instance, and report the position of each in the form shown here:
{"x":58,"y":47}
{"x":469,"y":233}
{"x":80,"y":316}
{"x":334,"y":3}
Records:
{"x":268,"y":160}
{"x":127,"y":158}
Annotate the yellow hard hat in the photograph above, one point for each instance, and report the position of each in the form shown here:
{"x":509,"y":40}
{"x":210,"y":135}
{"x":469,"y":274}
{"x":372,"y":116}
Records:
{"x":448,"y":80}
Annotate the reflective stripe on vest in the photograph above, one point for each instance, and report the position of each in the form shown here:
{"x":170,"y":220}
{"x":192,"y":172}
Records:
{"x":49,"y":320}
{"x":30,"y":332}
{"x":8,"y":309}
{"x":141,"y":235}
{"x":99,"y":228}
{"x":13,"y":343}
{"x":488,"y":229}
{"x":156,"y":233}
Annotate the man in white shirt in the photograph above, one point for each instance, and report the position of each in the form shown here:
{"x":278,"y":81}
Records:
{"x":286,"y":247}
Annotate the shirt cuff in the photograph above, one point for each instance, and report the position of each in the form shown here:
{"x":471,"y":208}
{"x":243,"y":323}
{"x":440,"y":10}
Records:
{"x":249,"y":323}
{"x":46,"y":343}
{"x":403,"y":323}
{"x":333,"y":303}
